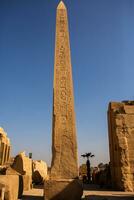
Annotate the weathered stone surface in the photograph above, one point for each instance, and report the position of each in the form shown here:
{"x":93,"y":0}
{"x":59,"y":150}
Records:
{"x":64,"y":164}
{"x":23,"y":165}
{"x":64,"y":147}
{"x":121,"y":144}
{"x":129,"y":109}
{"x":63,"y":189}
{"x":10,"y":171}
{"x":9,"y":184}
{"x":39,"y":171}
{"x":4,"y":147}
{"x":27,"y":182}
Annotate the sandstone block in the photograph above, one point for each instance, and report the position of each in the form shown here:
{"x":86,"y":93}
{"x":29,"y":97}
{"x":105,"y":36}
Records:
{"x":63,"y":190}
{"x":23,"y":165}
{"x":129,"y":109}
{"x":39,"y":172}
{"x":10,"y":183}
{"x":27,"y":182}
{"x":121,"y":144}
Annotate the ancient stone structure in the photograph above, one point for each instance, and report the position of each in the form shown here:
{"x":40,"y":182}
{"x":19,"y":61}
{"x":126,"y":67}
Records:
{"x":23,"y":165}
{"x":39,"y":171}
{"x":9,"y":187}
{"x":63,"y":183}
{"x":121,"y":144}
{"x":4,"y":147}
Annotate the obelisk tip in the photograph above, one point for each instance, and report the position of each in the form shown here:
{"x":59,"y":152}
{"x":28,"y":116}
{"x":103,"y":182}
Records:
{"x":61,"y":5}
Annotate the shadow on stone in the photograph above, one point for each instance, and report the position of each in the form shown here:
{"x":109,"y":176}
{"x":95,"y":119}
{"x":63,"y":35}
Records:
{"x":38,"y":186}
{"x":63,"y":190}
{"x":94,"y":187}
{"x":113,"y":197}
{"x":20,"y":192}
{"x":25,"y":197}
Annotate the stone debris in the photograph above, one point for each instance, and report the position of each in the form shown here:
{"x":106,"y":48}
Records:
{"x":23,"y":165}
{"x":39,"y":171}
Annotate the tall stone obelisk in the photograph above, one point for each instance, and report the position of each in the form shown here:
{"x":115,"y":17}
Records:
{"x":63,"y":183}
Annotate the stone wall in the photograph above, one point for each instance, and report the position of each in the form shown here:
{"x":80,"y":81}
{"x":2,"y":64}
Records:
{"x":4,"y":147}
{"x":121,"y":144}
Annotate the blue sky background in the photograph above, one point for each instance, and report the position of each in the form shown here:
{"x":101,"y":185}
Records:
{"x":102,"y":48}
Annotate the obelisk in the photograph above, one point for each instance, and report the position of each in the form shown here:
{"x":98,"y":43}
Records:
{"x":63,"y":182}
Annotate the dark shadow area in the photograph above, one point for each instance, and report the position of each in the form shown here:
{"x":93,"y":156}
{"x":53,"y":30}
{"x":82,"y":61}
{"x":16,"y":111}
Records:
{"x":102,"y":196}
{"x":21,"y":185}
{"x":27,"y":197}
{"x":112,"y":197}
{"x":63,"y":190}
{"x":94,"y":187}
{"x":38,"y":186}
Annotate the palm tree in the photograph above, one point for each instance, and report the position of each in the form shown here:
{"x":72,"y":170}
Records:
{"x":88,"y":155}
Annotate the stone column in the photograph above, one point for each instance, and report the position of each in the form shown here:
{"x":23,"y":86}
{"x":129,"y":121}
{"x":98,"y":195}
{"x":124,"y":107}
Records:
{"x":3,"y":153}
{"x":4,"y":147}
{"x":63,"y":183}
{"x":0,"y":151}
{"x":8,"y":155}
{"x":5,"y":156}
{"x":7,"y":151}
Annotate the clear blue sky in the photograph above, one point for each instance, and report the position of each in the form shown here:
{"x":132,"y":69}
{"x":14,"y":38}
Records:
{"x":102,"y":48}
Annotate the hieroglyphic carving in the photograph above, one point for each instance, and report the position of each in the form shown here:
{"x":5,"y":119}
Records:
{"x":62,"y":73}
{"x":63,"y":110}
{"x":63,"y":183}
{"x":121,"y":125}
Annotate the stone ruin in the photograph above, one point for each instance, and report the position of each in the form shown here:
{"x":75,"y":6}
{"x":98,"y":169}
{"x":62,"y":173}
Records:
{"x":19,"y":173}
{"x":4,"y":148}
{"x":39,"y":174}
{"x":23,"y":165}
{"x":32,"y":171}
{"x":63,"y":182}
{"x":7,"y":181}
{"x":121,"y":144}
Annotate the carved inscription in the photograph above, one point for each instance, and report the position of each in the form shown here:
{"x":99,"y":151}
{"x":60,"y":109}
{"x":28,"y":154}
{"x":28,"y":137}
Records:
{"x":64,"y":137}
{"x":63,"y":78}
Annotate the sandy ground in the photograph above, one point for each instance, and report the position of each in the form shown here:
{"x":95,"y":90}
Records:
{"x":91,"y":192}
{"x":107,"y":195}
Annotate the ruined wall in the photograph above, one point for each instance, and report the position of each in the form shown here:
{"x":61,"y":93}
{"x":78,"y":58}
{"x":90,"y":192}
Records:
{"x":4,"y":147}
{"x":121,"y":144}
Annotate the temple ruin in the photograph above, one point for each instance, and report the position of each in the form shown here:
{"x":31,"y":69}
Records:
{"x":121,"y":144}
{"x":4,"y":147}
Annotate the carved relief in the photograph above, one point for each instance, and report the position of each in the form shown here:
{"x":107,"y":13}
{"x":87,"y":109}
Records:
{"x":63,"y":102}
{"x":121,"y":158}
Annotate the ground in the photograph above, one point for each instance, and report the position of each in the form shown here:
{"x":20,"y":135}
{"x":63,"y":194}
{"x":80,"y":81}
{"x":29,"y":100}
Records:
{"x":34,"y":194}
{"x":91,"y":192}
